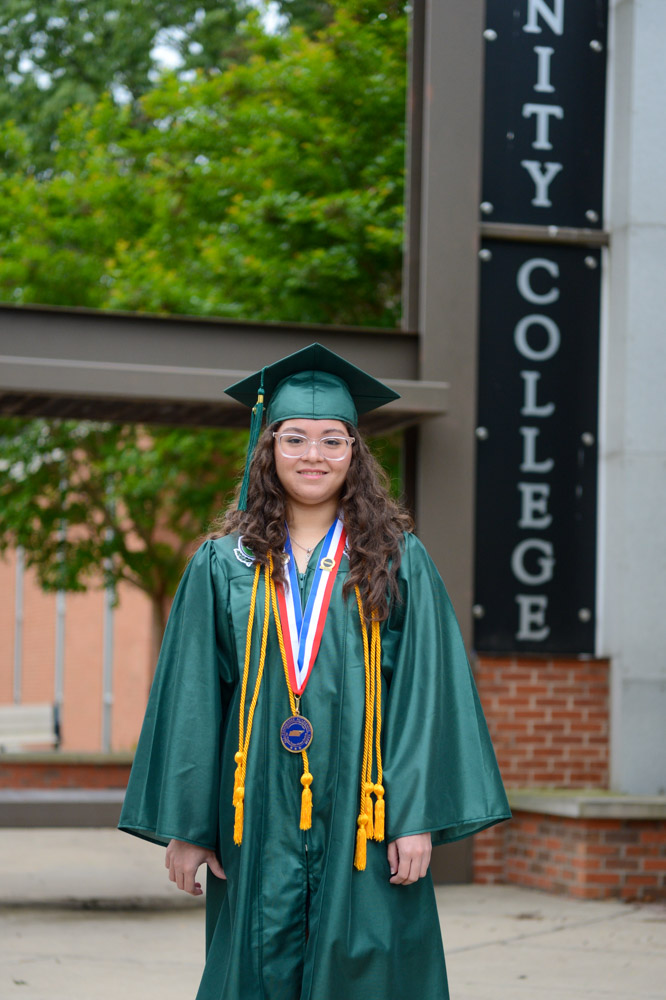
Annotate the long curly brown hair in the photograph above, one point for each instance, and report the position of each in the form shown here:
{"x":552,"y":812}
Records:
{"x":374,"y":522}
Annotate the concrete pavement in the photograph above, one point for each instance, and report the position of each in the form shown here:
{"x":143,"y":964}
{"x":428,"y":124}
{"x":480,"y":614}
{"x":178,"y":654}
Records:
{"x":90,"y":915}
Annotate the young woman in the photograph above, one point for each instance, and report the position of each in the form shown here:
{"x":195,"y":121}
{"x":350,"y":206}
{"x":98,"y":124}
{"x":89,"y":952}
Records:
{"x":313,"y":727}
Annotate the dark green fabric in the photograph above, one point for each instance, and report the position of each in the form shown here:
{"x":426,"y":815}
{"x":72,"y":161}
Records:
{"x":295,"y":920}
{"x":314,"y":395}
{"x":366,"y":392}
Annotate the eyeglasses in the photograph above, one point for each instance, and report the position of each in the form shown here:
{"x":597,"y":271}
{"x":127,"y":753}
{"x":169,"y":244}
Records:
{"x":332,"y":447}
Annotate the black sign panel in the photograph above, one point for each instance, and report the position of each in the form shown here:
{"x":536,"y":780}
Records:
{"x":544,"y":112}
{"x":537,"y":450}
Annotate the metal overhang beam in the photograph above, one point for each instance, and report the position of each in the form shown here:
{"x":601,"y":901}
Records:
{"x":87,"y":364}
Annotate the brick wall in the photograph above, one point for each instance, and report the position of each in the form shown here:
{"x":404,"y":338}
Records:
{"x":81,"y":721}
{"x":64,"y":770}
{"x":488,"y":854}
{"x":548,"y":719}
{"x":586,"y":858}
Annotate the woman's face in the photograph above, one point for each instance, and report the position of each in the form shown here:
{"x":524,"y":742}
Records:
{"x":312,"y":479}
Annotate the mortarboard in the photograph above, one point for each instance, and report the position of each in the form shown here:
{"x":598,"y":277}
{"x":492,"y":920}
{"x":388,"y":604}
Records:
{"x":313,"y":383}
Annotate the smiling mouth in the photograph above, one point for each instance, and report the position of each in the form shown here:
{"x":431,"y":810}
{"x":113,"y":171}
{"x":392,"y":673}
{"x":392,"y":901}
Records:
{"x":313,"y":473}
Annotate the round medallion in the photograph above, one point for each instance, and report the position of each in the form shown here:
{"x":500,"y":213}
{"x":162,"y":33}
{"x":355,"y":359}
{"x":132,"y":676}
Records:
{"x":296,"y":733}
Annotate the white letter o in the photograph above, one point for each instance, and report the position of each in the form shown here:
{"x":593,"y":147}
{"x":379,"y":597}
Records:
{"x":520,"y":337}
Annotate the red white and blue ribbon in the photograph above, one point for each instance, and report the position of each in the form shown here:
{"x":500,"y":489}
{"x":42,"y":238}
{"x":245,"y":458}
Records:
{"x":303,"y":630}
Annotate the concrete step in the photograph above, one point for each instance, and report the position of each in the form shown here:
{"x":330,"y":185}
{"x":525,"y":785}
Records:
{"x":57,"y":807}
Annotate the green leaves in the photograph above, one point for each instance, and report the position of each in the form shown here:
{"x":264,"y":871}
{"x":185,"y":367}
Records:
{"x":56,"y":54}
{"x":272,"y":190}
{"x":83,"y":498}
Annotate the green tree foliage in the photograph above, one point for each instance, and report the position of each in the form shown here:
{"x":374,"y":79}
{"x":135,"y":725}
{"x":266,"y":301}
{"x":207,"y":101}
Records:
{"x":311,"y":15}
{"x":59,"y":53}
{"x":266,"y":184}
{"x":98,"y":503}
{"x":271,"y":191}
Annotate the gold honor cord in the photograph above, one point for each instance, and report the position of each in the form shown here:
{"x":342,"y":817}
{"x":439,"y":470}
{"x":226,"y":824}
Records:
{"x":244,"y":743}
{"x":368,"y":826}
{"x":379,"y":787}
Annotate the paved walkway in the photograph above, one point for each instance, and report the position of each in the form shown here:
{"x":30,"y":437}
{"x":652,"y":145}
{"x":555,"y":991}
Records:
{"x":91,"y":915}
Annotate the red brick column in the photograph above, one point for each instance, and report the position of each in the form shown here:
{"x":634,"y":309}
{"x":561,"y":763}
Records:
{"x":587,"y":858}
{"x":548,"y":719}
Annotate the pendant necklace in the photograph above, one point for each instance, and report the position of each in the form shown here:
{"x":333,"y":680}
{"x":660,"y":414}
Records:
{"x":304,"y":547}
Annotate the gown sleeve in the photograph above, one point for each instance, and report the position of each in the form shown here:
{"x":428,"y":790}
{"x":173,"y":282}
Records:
{"x":440,"y":770}
{"x":173,"y":790}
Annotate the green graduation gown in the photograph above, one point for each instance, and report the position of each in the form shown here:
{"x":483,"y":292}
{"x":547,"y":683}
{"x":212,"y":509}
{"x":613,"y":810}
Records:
{"x":295,"y":920}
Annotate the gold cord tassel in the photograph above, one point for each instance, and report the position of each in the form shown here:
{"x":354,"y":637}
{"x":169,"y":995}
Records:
{"x":361,"y":843}
{"x":379,"y":812}
{"x":239,"y":797}
{"x":306,"y":801}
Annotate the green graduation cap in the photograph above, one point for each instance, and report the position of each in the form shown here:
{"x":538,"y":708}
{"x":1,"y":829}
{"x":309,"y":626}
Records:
{"x":315,"y":384}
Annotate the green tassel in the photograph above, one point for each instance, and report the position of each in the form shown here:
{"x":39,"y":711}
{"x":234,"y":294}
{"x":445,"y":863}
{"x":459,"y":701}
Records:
{"x":255,"y":431}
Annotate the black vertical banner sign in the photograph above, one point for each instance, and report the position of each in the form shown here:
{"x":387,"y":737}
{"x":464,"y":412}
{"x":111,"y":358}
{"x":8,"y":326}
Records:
{"x":543,"y":127}
{"x":539,"y":328}
{"x":537,"y":453}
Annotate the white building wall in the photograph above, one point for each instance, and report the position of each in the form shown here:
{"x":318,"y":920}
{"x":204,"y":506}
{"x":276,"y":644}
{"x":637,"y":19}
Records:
{"x":632,"y":539}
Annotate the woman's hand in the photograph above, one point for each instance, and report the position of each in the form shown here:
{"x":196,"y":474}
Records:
{"x":409,"y":858}
{"x":183,"y":860}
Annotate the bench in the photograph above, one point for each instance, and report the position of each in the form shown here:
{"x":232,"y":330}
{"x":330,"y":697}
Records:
{"x":28,"y":725}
